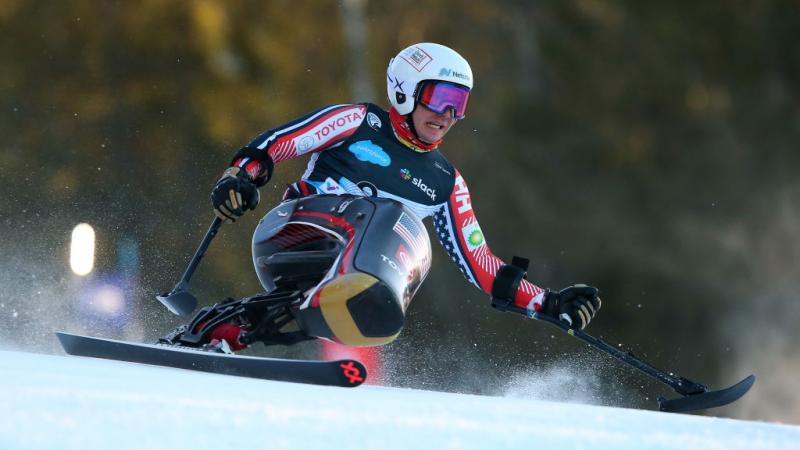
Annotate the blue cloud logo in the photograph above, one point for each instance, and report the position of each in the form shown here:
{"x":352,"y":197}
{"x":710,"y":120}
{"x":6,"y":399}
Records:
{"x":368,"y":152}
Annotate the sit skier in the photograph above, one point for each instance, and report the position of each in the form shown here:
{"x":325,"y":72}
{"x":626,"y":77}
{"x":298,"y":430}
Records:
{"x":364,"y":151}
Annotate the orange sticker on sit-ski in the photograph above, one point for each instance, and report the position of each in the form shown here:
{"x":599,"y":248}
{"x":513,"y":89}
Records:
{"x":352,"y":372}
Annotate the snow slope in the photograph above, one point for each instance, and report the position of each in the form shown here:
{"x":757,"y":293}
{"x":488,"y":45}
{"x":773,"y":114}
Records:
{"x":61,"y":402}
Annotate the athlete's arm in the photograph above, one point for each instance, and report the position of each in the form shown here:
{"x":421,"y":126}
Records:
{"x":460,"y":234}
{"x":322,"y":129}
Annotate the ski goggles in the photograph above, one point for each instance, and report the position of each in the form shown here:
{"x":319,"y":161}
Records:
{"x":438,"y":96}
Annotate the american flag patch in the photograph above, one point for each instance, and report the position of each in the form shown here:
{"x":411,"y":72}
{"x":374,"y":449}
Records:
{"x":416,"y":57}
{"x":416,"y":237}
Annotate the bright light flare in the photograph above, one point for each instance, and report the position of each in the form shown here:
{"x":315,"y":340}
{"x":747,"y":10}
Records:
{"x":81,"y":249}
{"x":109,"y":300}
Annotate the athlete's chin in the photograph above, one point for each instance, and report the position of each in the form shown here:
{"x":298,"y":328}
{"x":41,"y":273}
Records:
{"x":430,"y":138}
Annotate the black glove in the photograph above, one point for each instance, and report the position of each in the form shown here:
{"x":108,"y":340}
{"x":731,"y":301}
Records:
{"x":234,"y":194}
{"x":576,"y":304}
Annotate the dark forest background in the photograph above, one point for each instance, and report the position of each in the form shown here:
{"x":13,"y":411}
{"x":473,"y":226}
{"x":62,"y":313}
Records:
{"x":647,"y":148}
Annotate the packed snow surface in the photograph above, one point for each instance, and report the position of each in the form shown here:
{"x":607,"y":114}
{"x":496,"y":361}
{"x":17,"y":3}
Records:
{"x":62,"y":402}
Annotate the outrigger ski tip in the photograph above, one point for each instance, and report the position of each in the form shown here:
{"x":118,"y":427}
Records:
{"x":695,"y":396}
{"x":180,"y":302}
{"x":707,"y":399}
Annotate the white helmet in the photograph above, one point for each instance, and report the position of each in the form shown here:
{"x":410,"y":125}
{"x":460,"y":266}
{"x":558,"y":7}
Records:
{"x":420,"y":62}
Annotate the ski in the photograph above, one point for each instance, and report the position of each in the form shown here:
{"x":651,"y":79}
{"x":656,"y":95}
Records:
{"x":695,"y":396}
{"x":707,"y":399}
{"x":344,"y":373}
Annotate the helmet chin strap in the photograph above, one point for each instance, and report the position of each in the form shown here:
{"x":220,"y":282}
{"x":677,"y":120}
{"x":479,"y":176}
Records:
{"x":403,"y":128}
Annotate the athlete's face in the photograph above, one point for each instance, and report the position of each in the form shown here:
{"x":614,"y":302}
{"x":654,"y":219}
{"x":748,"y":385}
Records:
{"x":430,"y":125}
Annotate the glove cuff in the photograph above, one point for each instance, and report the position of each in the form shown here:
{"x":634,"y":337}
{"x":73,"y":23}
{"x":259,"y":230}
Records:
{"x":550,"y":303}
{"x":256,"y":154}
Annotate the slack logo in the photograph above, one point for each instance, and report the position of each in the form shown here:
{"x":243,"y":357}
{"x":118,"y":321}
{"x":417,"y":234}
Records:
{"x":430,"y":192}
{"x":406,"y":175}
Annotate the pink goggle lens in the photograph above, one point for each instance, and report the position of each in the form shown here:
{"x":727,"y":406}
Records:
{"x":440,"y":96}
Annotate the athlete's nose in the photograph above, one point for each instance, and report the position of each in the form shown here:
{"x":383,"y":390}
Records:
{"x":449,"y":113}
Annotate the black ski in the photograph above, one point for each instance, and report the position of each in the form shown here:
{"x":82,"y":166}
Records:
{"x":695,"y":396}
{"x":707,"y":399}
{"x":345,"y":373}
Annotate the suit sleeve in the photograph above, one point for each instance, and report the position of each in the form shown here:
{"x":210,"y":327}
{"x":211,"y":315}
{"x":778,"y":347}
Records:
{"x":460,"y":234}
{"x":324,"y":128}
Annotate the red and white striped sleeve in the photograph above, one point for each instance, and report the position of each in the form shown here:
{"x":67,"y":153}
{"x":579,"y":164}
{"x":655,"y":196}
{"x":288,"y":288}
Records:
{"x":322,"y":129}
{"x":460,"y":234}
